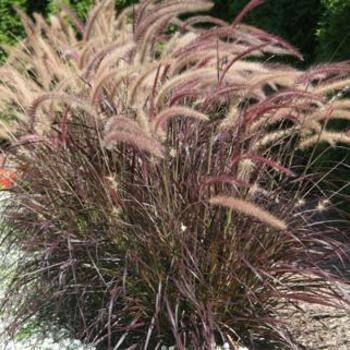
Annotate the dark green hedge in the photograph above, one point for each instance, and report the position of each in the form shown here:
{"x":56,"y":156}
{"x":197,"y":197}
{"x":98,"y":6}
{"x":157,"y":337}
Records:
{"x":10,"y":25}
{"x":11,"y":28}
{"x":333,"y":33}
{"x":318,"y":28}
{"x":82,"y":6}
{"x":294,"y":20}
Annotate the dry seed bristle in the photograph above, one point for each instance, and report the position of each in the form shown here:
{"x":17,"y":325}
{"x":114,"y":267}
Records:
{"x":326,"y":136}
{"x":142,"y":142}
{"x":172,"y":112}
{"x":250,"y":210}
{"x":329,"y":87}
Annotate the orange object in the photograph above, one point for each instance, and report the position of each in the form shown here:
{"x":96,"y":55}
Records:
{"x":7,"y":177}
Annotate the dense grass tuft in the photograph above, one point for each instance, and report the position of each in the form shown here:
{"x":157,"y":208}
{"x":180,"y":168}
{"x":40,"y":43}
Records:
{"x":165,"y":180}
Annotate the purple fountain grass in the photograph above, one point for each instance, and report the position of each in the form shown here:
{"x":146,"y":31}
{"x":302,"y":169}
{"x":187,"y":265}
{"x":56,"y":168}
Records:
{"x":165,"y":184}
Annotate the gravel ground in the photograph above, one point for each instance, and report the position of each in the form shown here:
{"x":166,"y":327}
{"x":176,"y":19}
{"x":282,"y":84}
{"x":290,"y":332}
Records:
{"x":49,"y":343}
{"x":29,"y":339}
{"x":321,"y":328}
{"x":318,"y":327}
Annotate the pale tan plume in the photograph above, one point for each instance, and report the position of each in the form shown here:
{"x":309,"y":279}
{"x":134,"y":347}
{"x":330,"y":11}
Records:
{"x":124,"y":17}
{"x":326,"y":136}
{"x":172,"y":112}
{"x":341,"y":104}
{"x":305,"y":118}
{"x":272,"y":137}
{"x":271,"y":78}
{"x":96,"y":59}
{"x":334,"y":114}
{"x":115,"y":75}
{"x":328,"y":87}
{"x":141,"y":141}
{"x":70,"y":100}
{"x":249,"y":209}
{"x":116,"y":58}
{"x":6,"y":131}
{"x":122,"y":123}
{"x":93,"y":19}
{"x":197,"y":56}
{"x":181,"y":79}
{"x":231,"y":118}
{"x":144,"y":53}
{"x":137,"y":84}
{"x":172,"y":9}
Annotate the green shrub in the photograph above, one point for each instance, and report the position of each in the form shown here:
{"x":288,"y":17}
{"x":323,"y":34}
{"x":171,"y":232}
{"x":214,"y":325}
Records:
{"x":80,"y":7}
{"x":295,"y":21}
{"x":10,"y":24}
{"x":11,"y":28}
{"x":315,"y":29}
{"x":333,"y":32}
{"x":162,"y":194}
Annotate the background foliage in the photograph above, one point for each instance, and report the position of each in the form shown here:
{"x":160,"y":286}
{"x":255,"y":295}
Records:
{"x":333,"y":31}
{"x":295,"y":21}
{"x":313,"y":26}
{"x":10,"y":25}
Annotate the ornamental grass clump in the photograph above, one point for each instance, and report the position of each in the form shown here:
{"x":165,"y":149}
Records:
{"x":161,"y":180}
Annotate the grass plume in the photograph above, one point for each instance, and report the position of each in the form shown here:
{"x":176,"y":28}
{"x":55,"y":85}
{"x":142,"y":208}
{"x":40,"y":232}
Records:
{"x":250,"y":210}
{"x":159,"y":175}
